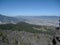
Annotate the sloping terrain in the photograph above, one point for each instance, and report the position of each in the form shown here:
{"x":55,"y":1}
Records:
{"x":7,"y":19}
{"x":24,"y":38}
{"x":41,"y":20}
{"x":36,"y":20}
{"x":25,"y":34}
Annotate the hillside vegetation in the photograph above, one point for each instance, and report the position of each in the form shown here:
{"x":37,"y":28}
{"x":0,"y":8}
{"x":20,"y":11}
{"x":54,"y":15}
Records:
{"x":22,"y":26}
{"x":25,"y":34}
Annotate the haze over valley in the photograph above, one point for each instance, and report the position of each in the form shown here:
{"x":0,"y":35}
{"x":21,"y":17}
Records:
{"x":36,"y":20}
{"x":29,"y":22}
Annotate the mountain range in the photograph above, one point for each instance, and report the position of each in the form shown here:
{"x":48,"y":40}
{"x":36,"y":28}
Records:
{"x":36,"y":20}
{"x":6,"y":19}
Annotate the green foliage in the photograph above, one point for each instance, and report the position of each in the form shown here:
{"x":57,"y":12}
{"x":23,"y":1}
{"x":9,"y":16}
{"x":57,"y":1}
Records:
{"x":1,"y":33}
{"x":6,"y":26}
{"x":16,"y":42}
{"x":4,"y":37}
{"x":22,"y":26}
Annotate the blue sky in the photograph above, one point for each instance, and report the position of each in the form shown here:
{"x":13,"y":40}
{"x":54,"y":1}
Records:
{"x":30,"y":7}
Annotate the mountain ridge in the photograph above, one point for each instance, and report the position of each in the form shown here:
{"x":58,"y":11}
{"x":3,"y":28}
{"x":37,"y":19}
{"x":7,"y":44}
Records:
{"x":6,"y":19}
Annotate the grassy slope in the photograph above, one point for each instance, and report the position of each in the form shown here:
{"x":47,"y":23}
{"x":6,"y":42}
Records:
{"x":22,"y":26}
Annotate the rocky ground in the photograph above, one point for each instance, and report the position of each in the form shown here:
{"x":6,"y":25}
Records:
{"x":24,"y":38}
{"x":26,"y":34}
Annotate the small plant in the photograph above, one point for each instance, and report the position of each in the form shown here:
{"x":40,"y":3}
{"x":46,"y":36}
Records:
{"x":1,"y":33}
{"x":16,"y":42}
{"x":38,"y":37}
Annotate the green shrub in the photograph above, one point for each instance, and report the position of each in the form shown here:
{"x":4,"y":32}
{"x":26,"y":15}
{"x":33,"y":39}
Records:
{"x":1,"y":33}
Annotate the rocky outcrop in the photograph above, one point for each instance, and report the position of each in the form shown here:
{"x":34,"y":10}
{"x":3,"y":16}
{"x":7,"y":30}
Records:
{"x":24,"y":38}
